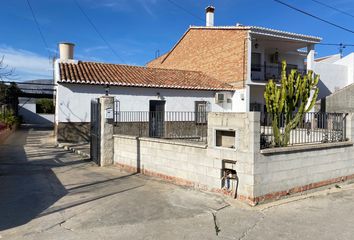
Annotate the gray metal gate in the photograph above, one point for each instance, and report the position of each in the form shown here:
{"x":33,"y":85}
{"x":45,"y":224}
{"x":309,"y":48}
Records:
{"x":95,"y":131}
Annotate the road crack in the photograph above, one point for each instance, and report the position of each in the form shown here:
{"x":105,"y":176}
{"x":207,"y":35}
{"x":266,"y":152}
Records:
{"x":216,"y":226}
{"x":251,"y":228}
{"x":61,"y":224}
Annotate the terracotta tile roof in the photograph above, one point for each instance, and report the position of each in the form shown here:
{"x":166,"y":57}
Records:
{"x":134,"y":76}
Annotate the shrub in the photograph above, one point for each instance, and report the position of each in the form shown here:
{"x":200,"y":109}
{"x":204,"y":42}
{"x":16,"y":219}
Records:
{"x":45,"y":105}
{"x":9,"y":119}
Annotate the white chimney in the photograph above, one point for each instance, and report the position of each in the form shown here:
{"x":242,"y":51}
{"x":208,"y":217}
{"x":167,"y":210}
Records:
{"x":210,"y":16}
{"x":66,"y":51}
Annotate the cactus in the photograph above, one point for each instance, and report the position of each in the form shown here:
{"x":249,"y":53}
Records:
{"x":291,"y":100}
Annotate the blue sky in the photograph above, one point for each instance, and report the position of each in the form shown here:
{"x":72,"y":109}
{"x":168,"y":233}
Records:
{"x":137,"y":28}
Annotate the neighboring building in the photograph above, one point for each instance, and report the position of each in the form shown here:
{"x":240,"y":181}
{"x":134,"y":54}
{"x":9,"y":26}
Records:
{"x":341,"y":101}
{"x":335,"y":73}
{"x":136,"y":89}
{"x":242,"y":56}
{"x":28,"y":108}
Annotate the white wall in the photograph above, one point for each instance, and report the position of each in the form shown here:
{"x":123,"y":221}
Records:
{"x":73,"y":100}
{"x":239,"y":101}
{"x":293,"y":58}
{"x":27,"y":109}
{"x":332,"y":77}
{"x":335,"y":75}
{"x":348,"y":61}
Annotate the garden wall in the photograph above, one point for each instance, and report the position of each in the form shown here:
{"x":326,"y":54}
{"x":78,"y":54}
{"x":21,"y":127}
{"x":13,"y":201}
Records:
{"x":262,"y":174}
{"x":191,"y":164}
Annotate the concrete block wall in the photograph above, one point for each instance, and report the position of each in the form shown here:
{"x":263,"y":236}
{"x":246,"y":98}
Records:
{"x":247,"y":128}
{"x":278,"y":172}
{"x":350,"y":127}
{"x":263,"y":174}
{"x":170,"y":158}
{"x":193,"y":164}
{"x":340,"y":101}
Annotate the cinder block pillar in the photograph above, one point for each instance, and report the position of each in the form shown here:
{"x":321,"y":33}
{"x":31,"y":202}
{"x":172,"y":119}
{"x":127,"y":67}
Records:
{"x":106,"y":152}
{"x":350,"y":127}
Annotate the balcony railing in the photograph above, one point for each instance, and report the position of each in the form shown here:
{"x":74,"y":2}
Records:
{"x":273,"y":71}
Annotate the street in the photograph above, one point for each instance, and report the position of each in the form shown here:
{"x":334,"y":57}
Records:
{"x":49,"y":193}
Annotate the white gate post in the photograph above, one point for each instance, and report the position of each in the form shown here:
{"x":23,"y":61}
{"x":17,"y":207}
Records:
{"x":106,"y":138}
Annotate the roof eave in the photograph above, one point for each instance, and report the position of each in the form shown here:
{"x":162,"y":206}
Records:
{"x":286,"y":35}
{"x":150,"y":86}
{"x":266,"y":32}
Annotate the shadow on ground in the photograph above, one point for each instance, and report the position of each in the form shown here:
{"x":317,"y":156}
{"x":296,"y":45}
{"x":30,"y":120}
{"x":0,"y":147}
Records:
{"x":26,"y":187}
{"x":35,"y":176}
{"x":28,"y":184}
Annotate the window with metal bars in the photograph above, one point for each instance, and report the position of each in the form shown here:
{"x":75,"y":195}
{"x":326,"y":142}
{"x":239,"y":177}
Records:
{"x":201,"y":112}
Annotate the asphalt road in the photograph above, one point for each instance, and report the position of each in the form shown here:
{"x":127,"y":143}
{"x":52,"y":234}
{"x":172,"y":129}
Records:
{"x":49,"y":193}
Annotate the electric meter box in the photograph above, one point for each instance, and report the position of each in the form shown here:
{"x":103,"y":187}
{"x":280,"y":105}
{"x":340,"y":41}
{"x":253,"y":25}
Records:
{"x":109,"y":113}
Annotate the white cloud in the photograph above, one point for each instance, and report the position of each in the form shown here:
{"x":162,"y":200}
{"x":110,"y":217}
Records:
{"x":27,"y":64}
{"x":127,"y":5}
{"x":93,"y":49}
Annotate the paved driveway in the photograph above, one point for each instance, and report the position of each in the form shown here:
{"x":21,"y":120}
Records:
{"x":49,"y":193}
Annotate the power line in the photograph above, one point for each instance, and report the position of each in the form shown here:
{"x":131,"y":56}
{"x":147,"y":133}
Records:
{"x":341,"y":46}
{"x":333,"y":8}
{"x":38,"y":27}
{"x":186,"y":10}
{"x":313,"y":16}
{"x":337,"y":44}
{"x":98,"y":32}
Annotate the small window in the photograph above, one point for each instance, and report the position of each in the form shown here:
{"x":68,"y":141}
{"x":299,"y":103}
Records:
{"x":225,"y":138}
{"x":201,"y":112}
{"x":256,"y":62}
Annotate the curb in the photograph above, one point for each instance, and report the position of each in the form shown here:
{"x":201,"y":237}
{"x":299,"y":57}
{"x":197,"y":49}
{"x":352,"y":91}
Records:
{"x":73,"y":150}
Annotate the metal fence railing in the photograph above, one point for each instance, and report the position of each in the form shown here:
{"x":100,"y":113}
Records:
{"x":187,"y":126}
{"x":273,"y":71}
{"x":312,"y":128}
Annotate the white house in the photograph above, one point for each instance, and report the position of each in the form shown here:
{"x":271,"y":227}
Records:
{"x":135,"y":88}
{"x":335,"y":73}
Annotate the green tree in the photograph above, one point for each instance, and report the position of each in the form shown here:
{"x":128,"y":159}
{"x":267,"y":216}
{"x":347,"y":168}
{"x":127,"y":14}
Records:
{"x":290,"y":100}
{"x":45,"y":105}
